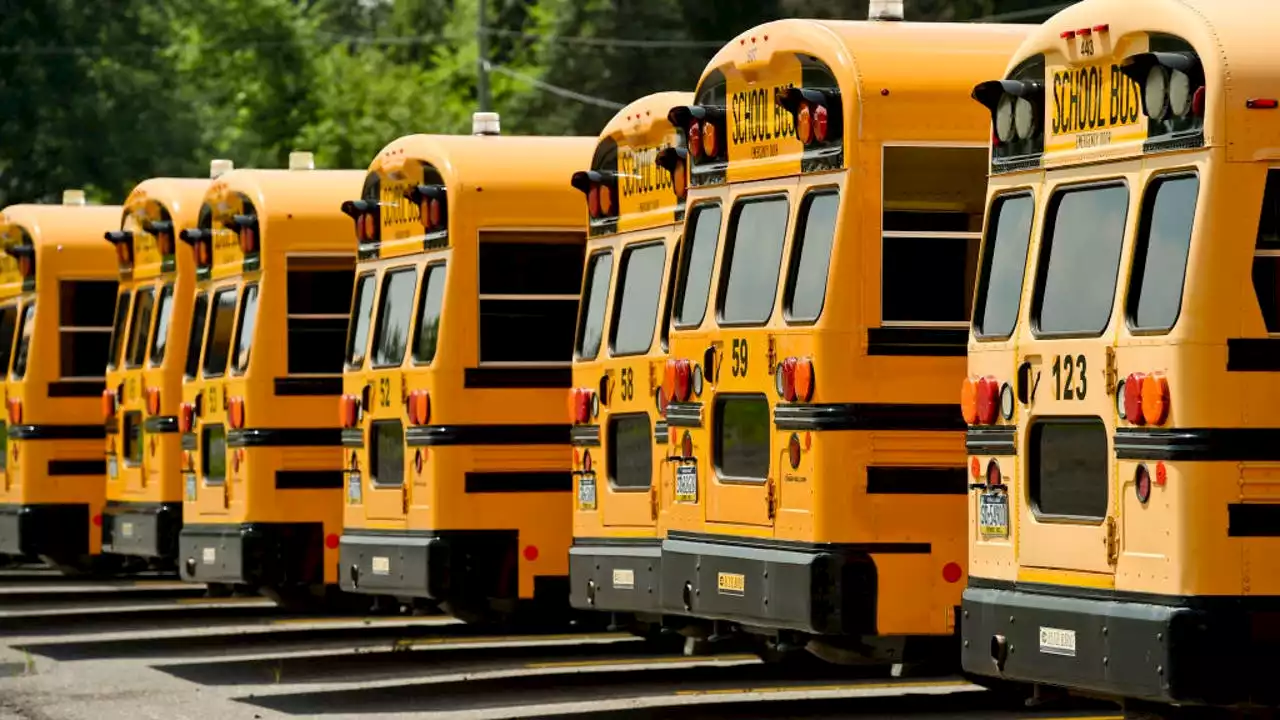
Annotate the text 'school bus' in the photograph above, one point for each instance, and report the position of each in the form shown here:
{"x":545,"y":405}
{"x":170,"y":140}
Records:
{"x":619,"y":436}
{"x":837,"y":175}
{"x":263,"y":458}
{"x":144,"y":370}
{"x":458,"y":362}
{"x":59,"y":287}
{"x":1124,"y":391}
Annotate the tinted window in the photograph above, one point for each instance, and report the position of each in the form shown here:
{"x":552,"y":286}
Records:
{"x":742,"y":437}
{"x":630,"y":455}
{"x":245,"y":328}
{"x":521,"y":331}
{"x":811,"y":257}
{"x":591,"y":322}
{"x":139,"y":326}
{"x":164,"y":317}
{"x":635,"y":312}
{"x":1069,"y":468}
{"x":8,"y":324}
{"x":1164,"y":242}
{"x":529,"y":290}
{"x":319,"y":304}
{"x":361,"y":311}
{"x":386,"y":455}
{"x":25,"y":327}
{"x":85,"y":322}
{"x":131,"y":428}
{"x":391,"y":335}
{"x":1004,"y":262}
{"x":213,"y":458}
{"x":696,"y":265}
{"x":430,"y":302}
{"x":665,"y":321}
{"x":198,"y":316}
{"x":217,"y":342}
{"x":117,"y":328}
{"x":1080,"y":258}
{"x":753,"y":255}
{"x":533,"y":265}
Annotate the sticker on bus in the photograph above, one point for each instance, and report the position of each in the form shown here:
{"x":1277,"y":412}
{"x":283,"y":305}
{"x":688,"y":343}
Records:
{"x":1093,"y":106}
{"x":624,"y":579}
{"x":731,"y":584}
{"x":1056,"y":641}
{"x":687,"y":483}
{"x":587,"y":491}
{"x":993,"y":514}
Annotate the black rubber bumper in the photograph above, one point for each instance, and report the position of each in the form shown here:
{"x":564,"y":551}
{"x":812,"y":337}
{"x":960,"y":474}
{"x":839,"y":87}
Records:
{"x":1195,"y":650}
{"x":147,"y":530}
{"x":439,"y":565}
{"x":258,"y":554}
{"x":615,"y":574}
{"x":825,"y":589}
{"x":54,"y":531}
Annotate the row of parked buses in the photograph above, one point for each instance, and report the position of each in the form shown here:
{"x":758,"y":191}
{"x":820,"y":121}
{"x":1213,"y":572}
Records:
{"x":758,"y":326}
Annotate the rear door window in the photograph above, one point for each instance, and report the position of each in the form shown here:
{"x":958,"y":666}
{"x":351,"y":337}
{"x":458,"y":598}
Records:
{"x":753,"y":256}
{"x":530,"y":285}
{"x":635,"y":314}
{"x":1080,"y":260}
{"x":742,"y":437}
{"x":84,"y":328}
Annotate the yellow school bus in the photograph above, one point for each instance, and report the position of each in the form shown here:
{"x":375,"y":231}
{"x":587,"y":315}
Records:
{"x":153,"y":313}
{"x":835,"y":197}
{"x":458,"y":361}
{"x":619,"y":435}
{"x":262,"y":466}
{"x":60,"y":287}
{"x":1123,"y":371}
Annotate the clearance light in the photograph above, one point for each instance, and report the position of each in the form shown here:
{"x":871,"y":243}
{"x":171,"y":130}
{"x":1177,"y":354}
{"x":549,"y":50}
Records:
{"x":793,"y":379}
{"x":1142,"y":483}
{"x":994,"y":477}
{"x":1262,"y":103}
{"x":186,"y":417}
{"x":1016,"y":107}
{"x":1155,"y":399}
{"x":704,"y":128}
{"x":981,"y":400}
{"x":816,"y":113}
{"x":601,"y":189}
{"x":675,"y":160}
{"x":108,"y":404}
{"x":793,"y":451}
{"x":586,"y":461}
{"x":686,"y":446}
{"x":235,"y":412}
{"x":1172,"y":83}
{"x":419,"y":407}
{"x":433,"y":205}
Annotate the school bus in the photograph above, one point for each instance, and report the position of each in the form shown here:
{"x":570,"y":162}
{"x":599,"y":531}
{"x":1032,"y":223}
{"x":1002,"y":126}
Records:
{"x":1122,"y":390}
{"x":834,"y":205}
{"x":458,"y":362}
{"x":55,"y":328}
{"x":634,"y":225}
{"x":143,"y":514}
{"x":262,"y":465}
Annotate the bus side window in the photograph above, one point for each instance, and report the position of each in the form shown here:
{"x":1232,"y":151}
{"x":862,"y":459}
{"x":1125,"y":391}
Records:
{"x":244,"y":329}
{"x":529,"y":286}
{"x":8,"y":324}
{"x":85,"y":320}
{"x":635,"y":305}
{"x":217,"y":343}
{"x":932,"y":225}
{"x":1266,"y":255}
{"x":123,"y":301}
{"x":1160,"y":253}
{"x":358,"y":325}
{"x":591,"y":316}
{"x":430,"y":303}
{"x":811,"y":257}
{"x":139,"y":328}
{"x":23,"y":350}
{"x":673,"y":269}
{"x":697,"y":260}
{"x":317,"y":309}
{"x":164,"y":318}
{"x":198,"y":316}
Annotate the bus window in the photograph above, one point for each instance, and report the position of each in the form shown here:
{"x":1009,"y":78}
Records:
{"x":244,"y":329}
{"x":811,"y":257}
{"x":316,"y":323}
{"x":1266,"y":257}
{"x":361,"y":312}
{"x":164,"y":315}
{"x":429,"y":304}
{"x":391,"y":333}
{"x":1072,"y":453}
{"x":1164,"y":241}
{"x":198,"y":316}
{"x":591,"y":322}
{"x":696,"y":264}
{"x":217,"y":341}
{"x":630,"y":458}
{"x":933,"y":204}
{"x":386,"y":454}
{"x":8,"y":323}
{"x":132,"y":444}
{"x":213,"y":460}
{"x":123,"y":301}
{"x":665,"y":321}
{"x":635,"y":311}
{"x":1080,"y":259}
{"x":752,"y":257}
{"x":529,"y":286}
{"x":84,"y":327}
{"x":25,"y":327}
{"x":136,"y":350}
{"x":741,"y":449}
{"x":1004,"y":264}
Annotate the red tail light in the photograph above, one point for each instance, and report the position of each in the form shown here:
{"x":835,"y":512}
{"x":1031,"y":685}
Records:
{"x":694,"y":139}
{"x":686,"y":445}
{"x":153,"y":401}
{"x":202,"y":252}
{"x":582,"y":408}
{"x":988,"y":400}
{"x":586,"y":461}
{"x":710,"y":142}
{"x":235,"y":412}
{"x":804,"y":380}
{"x":1133,"y":399}
{"x":248,"y":240}
{"x":793,"y":451}
{"x":681,"y":386}
{"x":419,"y":407}
{"x":820,"y":123}
{"x":787,"y":375}
{"x":349,"y":410}
{"x":1155,"y":399}
{"x":15,"y":411}
{"x":108,"y":404}
{"x":993,"y":473}
{"x":186,"y":417}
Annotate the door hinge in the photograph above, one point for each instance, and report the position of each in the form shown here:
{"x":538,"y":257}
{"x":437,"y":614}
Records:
{"x":770,"y":499}
{"x":653,"y":503}
{"x":1112,"y":542}
{"x":772,"y":356}
{"x":1110,"y":378}
{"x":404,"y":498}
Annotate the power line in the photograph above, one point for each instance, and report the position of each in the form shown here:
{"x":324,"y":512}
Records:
{"x":553,"y":89}
{"x":1039,"y":13}
{"x":606,"y":42}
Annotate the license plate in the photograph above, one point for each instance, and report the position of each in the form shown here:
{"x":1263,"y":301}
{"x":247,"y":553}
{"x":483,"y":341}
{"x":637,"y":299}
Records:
{"x":381,"y":566}
{"x":993,"y":515}
{"x":112,"y":468}
{"x":1056,"y":641}
{"x":191,"y":486}
{"x":355,"y":490}
{"x":687,"y":483}
{"x":587,"y":491}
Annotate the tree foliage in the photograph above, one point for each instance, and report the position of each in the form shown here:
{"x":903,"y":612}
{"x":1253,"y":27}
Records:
{"x":104,"y":99}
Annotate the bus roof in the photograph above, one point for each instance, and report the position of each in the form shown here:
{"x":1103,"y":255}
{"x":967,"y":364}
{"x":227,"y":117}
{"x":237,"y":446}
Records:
{"x":496,"y":164}
{"x":180,"y":196}
{"x":1234,"y":40}
{"x":51,"y":229}
{"x":287,"y":195}
{"x":173,"y":200}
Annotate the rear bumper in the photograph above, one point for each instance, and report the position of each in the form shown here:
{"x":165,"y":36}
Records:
{"x":824,"y":589}
{"x":259,"y":554}
{"x":55,"y":530}
{"x":1198,"y":650}
{"x":615,"y":574}
{"x":147,"y":530}
{"x":442,"y":565}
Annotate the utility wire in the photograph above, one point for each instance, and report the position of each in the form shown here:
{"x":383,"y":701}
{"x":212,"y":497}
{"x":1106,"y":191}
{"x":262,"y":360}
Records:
{"x":1039,"y":13}
{"x":553,"y":89}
